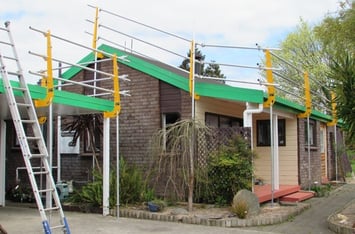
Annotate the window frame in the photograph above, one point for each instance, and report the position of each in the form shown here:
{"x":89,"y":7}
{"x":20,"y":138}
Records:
{"x":265,"y":124}
{"x":173,"y":118}
{"x":312,"y":135}
{"x":232,"y":120}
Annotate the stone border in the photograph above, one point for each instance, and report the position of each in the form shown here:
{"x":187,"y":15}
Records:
{"x":272,"y":218}
{"x":336,"y":226}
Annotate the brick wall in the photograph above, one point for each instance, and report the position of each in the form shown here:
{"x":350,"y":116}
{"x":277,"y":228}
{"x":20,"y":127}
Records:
{"x":315,"y":158}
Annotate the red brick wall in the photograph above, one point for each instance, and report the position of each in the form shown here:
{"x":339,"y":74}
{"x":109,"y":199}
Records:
{"x":315,"y":157}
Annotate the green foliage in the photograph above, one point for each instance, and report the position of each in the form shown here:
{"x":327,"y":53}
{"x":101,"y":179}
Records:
{"x":302,"y":49}
{"x":343,"y":73}
{"x":132,"y":188}
{"x":132,"y":185}
{"x":240,"y":208}
{"x":321,"y":190}
{"x":212,"y":70}
{"x":174,"y":160}
{"x":337,"y":28}
{"x":229,"y":170}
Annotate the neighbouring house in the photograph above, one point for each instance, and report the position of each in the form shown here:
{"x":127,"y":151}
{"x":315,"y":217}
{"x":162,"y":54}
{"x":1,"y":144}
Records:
{"x":159,"y":95}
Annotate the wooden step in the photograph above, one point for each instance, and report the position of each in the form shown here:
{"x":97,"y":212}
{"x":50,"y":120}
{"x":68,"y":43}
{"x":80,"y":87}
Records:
{"x":298,"y":196}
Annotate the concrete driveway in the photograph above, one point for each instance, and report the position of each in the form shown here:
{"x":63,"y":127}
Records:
{"x":21,"y":220}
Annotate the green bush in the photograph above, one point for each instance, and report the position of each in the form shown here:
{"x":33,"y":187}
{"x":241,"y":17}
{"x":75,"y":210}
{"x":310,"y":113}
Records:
{"x":132,"y":188}
{"x":229,"y":170}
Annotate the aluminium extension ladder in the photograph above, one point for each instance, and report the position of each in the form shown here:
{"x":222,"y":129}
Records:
{"x":29,"y":134}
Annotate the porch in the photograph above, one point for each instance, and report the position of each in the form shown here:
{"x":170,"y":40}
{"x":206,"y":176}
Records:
{"x":286,"y":193}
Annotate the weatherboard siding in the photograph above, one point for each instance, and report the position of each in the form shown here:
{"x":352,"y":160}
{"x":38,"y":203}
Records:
{"x":216,"y":106}
{"x":288,"y":162}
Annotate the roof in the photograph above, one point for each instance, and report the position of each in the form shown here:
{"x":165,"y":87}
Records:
{"x":64,"y":103}
{"x":175,"y":77}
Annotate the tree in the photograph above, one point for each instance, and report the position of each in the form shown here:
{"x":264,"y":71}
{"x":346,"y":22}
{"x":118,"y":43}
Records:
{"x":337,"y":33}
{"x":90,"y":126}
{"x":212,"y":70}
{"x":342,"y":71}
{"x":172,"y":150}
{"x":302,"y":52}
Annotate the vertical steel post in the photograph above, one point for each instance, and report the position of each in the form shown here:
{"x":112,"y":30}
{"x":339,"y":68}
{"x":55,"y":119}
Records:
{"x":118,"y":166}
{"x":309,"y":154}
{"x":272,"y":156}
{"x":106,"y":168}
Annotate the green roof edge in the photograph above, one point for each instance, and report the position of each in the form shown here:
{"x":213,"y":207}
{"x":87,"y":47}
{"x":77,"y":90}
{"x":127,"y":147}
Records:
{"x":65,"y":98}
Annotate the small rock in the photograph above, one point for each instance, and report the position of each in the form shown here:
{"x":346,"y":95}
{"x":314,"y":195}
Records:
{"x":250,"y":199}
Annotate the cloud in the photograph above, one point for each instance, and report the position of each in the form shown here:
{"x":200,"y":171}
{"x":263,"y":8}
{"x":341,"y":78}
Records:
{"x":236,"y":22}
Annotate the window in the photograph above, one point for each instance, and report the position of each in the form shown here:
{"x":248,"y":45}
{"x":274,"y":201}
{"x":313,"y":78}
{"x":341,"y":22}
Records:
{"x":312,"y":133}
{"x":263,"y":132}
{"x":168,"y":118}
{"x":222,"y":121}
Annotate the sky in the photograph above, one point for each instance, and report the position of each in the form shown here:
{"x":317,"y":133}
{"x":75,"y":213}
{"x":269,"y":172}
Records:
{"x":223,"y":22}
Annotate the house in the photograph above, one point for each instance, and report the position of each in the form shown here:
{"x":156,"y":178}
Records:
{"x":159,"y":95}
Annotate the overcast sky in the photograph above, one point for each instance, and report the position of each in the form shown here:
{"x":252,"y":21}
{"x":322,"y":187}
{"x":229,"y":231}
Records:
{"x":223,"y":22}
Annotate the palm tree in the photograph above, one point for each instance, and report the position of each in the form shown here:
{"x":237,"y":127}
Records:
{"x":89,"y":125}
{"x":342,"y":71}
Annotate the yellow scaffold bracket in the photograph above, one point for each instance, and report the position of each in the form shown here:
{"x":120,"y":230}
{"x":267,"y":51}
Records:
{"x":192,"y":71}
{"x":334,"y":112}
{"x":94,"y":37}
{"x":307,"y":97}
{"x":116,"y":94}
{"x":47,"y":79}
{"x":42,"y":119}
{"x":270,"y":80}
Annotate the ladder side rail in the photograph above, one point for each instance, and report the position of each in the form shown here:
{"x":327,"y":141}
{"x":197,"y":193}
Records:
{"x":21,"y":134}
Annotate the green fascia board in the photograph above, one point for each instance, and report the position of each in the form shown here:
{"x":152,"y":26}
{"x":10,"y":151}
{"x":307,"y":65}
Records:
{"x":284,"y":104}
{"x":179,"y":81}
{"x":65,"y":98}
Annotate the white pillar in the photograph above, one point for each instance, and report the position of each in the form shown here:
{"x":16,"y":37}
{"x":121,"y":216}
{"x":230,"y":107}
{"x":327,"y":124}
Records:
{"x":2,"y":161}
{"x":50,"y":153}
{"x":276,"y":154}
{"x":59,"y":138}
{"x":106,"y":168}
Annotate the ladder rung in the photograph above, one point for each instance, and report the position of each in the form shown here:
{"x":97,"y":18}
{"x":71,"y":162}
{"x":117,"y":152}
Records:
{"x":51,"y":208}
{"x":19,"y":88}
{"x":24,"y":104}
{"x":33,"y":138}
{"x":40,"y":172}
{"x":45,"y":190}
{"x":57,"y":227}
{"x":37,"y":156}
{"x":14,"y":73}
{"x":28,"y":121}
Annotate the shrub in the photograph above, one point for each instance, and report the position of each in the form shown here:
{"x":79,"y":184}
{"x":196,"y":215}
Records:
{"x":240,"y":208}
{"x":229,"y":170}
{"x":132,"y":187}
